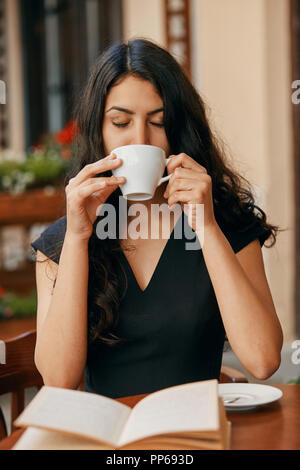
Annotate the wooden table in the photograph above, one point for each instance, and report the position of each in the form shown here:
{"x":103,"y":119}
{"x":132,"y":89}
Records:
{"x":275,"y":426}
{"x":16,"y":326}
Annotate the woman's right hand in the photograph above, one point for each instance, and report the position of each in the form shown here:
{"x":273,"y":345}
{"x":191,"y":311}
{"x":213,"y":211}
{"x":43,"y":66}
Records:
{"x":85,"y":193}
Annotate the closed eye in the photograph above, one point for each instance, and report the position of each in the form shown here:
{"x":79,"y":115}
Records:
{"x":126,"y":123}
{"x":158,"y":124}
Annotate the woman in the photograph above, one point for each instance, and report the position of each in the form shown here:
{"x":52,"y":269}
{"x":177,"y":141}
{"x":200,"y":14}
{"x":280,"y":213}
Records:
{"x":135,"y":321}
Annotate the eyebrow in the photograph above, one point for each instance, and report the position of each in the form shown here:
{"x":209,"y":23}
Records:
{"x":124,"y":110}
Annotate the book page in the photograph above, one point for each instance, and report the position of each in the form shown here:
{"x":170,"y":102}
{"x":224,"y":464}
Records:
{"x":188,"y":407}
{"x":42,"y":439}
{"x":77,"y":412}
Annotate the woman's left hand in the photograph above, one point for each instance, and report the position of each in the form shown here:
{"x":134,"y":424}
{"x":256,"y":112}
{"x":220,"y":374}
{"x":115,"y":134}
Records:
{"x":190,"y":184}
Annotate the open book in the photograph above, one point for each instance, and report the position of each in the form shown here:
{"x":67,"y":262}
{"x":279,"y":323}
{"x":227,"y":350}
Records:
{"x":188,"y":416}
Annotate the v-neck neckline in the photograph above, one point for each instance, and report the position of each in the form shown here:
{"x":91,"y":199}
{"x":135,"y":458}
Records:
{"x":160,"y":260}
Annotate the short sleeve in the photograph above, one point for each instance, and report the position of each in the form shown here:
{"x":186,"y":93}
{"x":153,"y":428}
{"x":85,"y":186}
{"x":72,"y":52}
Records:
{"x":240,"y":239}
{"x":51,"y":240}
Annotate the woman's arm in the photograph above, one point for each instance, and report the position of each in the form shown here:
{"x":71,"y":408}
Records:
{"x":239,"y":281}
{"x":245,"y":302}
{"x":61,"y":347}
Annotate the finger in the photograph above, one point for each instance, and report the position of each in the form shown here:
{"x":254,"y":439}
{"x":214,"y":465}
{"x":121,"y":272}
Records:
{"x":179,"y":184}
{"x":185,"y":161}
{"x":85,"y":191}
{"x":102,"y":165}
{"x":187,"y":173}
{"x":182,"y":196}
{"x":113,"y":179}
{"x":102,"y":195}
{"x":104,"y":192}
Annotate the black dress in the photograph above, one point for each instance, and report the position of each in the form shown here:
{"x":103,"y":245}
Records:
{"x":173,"y":329}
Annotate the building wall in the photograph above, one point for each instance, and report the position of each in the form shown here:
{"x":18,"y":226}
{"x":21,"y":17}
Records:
{"x":14,"y":97}
{"x":243,"y":72}
{"x":241,"y":67}
{"x":144,"y":18}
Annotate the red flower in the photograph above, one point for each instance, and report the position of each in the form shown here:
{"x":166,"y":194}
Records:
{"x":37,"y":147}
{"x":2,"y":291}
{"x":66,"y":135}
{"x":65,"y":153}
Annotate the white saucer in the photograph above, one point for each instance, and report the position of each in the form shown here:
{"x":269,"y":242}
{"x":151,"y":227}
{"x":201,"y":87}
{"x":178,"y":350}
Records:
{"x":248,"y":396}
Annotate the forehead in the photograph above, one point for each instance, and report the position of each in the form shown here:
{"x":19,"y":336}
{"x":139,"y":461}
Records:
{"x":134,"y":92}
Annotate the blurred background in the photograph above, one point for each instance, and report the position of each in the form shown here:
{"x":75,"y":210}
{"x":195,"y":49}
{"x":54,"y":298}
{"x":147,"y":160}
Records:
{"x":242,"y":56}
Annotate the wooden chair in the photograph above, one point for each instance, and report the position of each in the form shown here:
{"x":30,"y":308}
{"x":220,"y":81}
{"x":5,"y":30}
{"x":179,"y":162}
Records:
{"x":18,"y":372}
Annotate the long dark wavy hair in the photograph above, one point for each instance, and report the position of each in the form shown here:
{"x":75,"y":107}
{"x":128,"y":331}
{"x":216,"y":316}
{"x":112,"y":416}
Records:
{"x":187,"y":130}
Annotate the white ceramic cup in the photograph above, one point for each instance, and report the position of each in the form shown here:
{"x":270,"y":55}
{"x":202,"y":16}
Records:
{"x":143,"y":167}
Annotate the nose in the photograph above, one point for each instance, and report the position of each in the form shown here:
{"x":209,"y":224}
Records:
{"x":140,"y":134}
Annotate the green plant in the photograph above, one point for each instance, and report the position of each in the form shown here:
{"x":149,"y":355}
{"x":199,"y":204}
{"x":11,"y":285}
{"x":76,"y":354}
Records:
{"x":17,"y":306}
{"x":45,"y":164}
{"x":47,"y":167}
{"x":39,"y":168}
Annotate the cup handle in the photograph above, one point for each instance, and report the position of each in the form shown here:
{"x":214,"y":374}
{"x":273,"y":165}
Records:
{"x":165,"y":178}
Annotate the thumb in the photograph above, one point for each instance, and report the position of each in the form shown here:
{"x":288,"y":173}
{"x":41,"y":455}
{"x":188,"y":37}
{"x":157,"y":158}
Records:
{"x":100,"y":197}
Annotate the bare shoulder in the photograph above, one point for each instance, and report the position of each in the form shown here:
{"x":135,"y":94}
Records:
{"x":43,"y":260}
{"x":46,"y":271}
